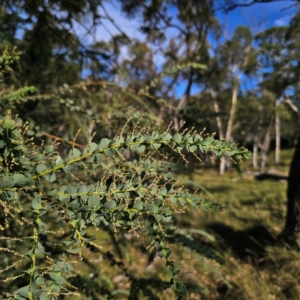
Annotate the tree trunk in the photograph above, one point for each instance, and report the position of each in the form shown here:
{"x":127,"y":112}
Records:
{"x":256,"y":139}
{"x":217,"y":111}
{"x":292,"y":223}
{"x":183,"y":102}
{"x":228,"y":136}
{"x":255,"y":151}
{"x":265,"y":147}
{"x":224,"y":161}
{"x":277,"y":135}
{"x":220,"y":128}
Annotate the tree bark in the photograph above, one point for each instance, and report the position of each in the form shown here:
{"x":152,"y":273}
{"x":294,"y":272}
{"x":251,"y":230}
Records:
{"x":183,"y":102}
{"x":265,"y":147}
{"x":292,"y":223}
{"x":255,"y":151}
{"x":220,"y":128}
{"x":224,"y":161}
{"x":228,"y":136}
{"x":217,"y":111}
{"x":277,"y":135}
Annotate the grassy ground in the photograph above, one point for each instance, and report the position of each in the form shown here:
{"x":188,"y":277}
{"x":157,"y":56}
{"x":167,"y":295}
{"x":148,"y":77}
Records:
{"x":257,"y":265}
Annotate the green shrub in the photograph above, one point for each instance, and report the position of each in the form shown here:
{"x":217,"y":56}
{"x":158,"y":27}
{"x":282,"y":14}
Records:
{"x":50,"y":199}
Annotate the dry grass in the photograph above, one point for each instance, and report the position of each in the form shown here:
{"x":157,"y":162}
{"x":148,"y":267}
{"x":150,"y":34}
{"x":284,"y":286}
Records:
{"x":257,"y":265}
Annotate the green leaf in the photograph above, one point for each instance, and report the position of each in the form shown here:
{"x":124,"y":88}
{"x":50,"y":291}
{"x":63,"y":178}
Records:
{"x":177,"y":137}
{"x":67,"y":169}
{"x":56,"y":289}
{"x":41,"y":168}
{"x":198,"y":138}
{"x":82,"y":189}
{"x":111,"y":204}
{"x":141,"y":149}
{"x":163,"y":191}
{"x":69,"y":267}
{"x":9,"y":124}
{"x":167,"y":137}
{"x":60,"y":280}
{"x":208,"y":141}
{"x":119,"y":140}
{"x":62,"y":189}
{"x":122,"y":207}
{"x":173,"y":200}
{"x":74,"y":206}
{"x":35,"y":203}
{"x":166,"y":218}
{"x":57,"y":278}
{"x":104,"y":143}
{"x":93,"y":201}
{"x":152,"y":208}
{"x":6,"y":184}
{"x":156,"y":145}
{"x":84,"y":208}
{"x":138,"y":204}
{"x":58,"y":160}
{"x":75,"y":153}
{"x":193,"y":148}
{"x":2,"y":144}
{"x":165,"y":252}
{"x":44,"y":296}
{"x":71,"y":190}
{"x":93,"y":147}
{"x":51,"y":177}
{"x":20,"y":179}
{"x":229,"y":153}
{"x":74,"y":251}
{"x":23,"y":291}
{"x":30,"y":132}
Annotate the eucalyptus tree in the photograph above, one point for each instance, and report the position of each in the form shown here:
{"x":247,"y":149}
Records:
{"x":178,"y":30}
{"x":286,"y":83}
{"x":275,"y":61}
{"x":232,"y":61}
{"x":280,"y":59}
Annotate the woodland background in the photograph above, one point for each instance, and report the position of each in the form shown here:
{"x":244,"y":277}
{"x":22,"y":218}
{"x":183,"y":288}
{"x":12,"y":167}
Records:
{"x":185,"y":68}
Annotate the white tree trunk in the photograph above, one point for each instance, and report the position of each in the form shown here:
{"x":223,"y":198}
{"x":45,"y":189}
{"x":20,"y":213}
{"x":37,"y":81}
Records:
{"x":265,"y":147}
{"x":255,"y":152}
{"x":277,"y":134}
{"x":225,"y":162}
{"x":228,"y":136}
{"x":217,"y":111}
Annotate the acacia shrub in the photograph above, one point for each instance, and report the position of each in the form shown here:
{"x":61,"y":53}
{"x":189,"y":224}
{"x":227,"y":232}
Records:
{"x":49,"y":200}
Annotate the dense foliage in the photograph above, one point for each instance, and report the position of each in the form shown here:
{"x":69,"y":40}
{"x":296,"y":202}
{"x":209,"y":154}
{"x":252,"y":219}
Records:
{"x":50,"y":199}
{"x":89,"y":172}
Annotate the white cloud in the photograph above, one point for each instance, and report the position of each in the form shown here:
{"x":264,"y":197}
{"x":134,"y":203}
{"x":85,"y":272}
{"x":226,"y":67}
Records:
{"x":284,"y":21}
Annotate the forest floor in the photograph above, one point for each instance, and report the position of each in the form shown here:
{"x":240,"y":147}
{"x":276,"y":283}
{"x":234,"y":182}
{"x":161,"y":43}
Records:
{"x":257,"y":265}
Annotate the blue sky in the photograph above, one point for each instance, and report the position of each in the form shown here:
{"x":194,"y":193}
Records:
{"x":259,"y":17}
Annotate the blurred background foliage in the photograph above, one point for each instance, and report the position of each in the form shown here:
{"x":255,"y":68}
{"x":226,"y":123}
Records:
{"x":248,"y":93}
